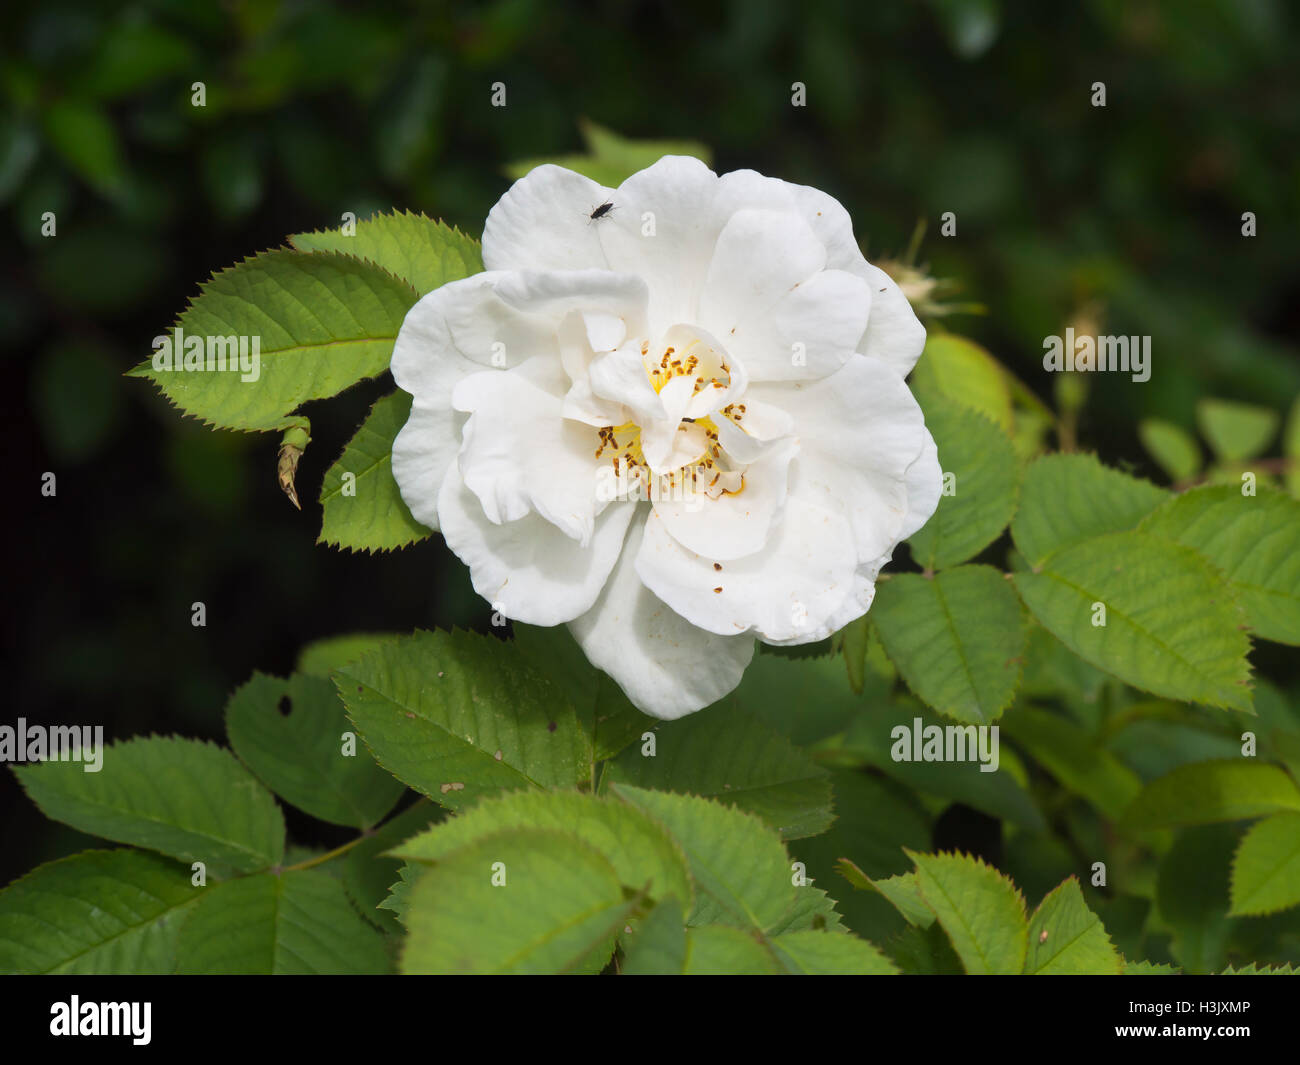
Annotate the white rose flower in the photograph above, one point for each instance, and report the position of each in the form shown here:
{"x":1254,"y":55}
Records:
{"x":679,"y":424}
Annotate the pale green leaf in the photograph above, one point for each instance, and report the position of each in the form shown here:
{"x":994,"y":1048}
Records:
{"x":555,"y":901}
{"x":323,"y":322}
{"x":185,"y":798}
{"x":719,"y":950}
{"x":1291,"y":449}
{"x":611,"y":159}
{"x":361,"y":507}
{"x":830,"y":954}
{"x":983,"y":484}
{"x":98,"y":912}
{"x":1254,"y":540}
{"x":1068,"y":498}
{"x":657,"y":945}
{"x":1067,"y":939}
{"x":903,"y":892}
{"x":424,"y":253}
{"x":1203,"y":793}
{"x":1174,"y":449}
{"x":1148,"y":968}
{"x":459,"y":716}
{"x":298,"y":922}
{"x":980,"y":910}
{"x":742,"y":874}
{"x":958,"y":639}
{"x":1266,"y":869}
{"x":1236,"y":430}
{"x":1172,"y":626}
{"x":639,"y":848}
{"x":963,"y":372}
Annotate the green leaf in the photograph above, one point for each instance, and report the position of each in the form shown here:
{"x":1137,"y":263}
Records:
{"x":741,"y":871}
{"x":875,"y":819}
{"x":290,"y":733}
{"x":1074,"y":759}
{"x":1172,"y":626}
{"x":1254,"y":540}
{"x":368,"y":873}
{"x":903,"y":892}
{"x":1261,"y":970}
{"x":1175,"y":451}
{"x":985,"y":474}
{"x":958,"y":639}
{"x":719,"y":950}
{"x":606,"y":715}
{"x":1148,"y":968}
{"x":361,"y":507}
{"x":924,"y":951}
{"x":1291,"y":449}
{"x":323,"y":322}
{"x":1202,"y":793}
{"x":1236,"y":430}
{"x":98,"y":912}
{"x":1266,"y":869}
{"x":1192,"y":896}
{"x":321,"y":657}
{"x":726,"y":753}
{"x":612,"y":158}
{"x":185,"y":798}
{"x":657,"y":945}
{"x":980,"y":910}
{"x":830,"y":954}
{"x":961,"y":371}
{"x":298,"y":922}
{"x":424,"y":253}
{"x":1068,"y":498}
{"x":83,"y":135}
{"x":805,"y":699}
{"x":459,"y":717}
{"x":556,"y":900}
{"x":1067,"y":939}
{"x":874,"y":739}
{"x":640,"y":850}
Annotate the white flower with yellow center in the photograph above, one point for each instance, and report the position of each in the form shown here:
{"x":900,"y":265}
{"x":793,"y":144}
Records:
{"x":679,"y":425}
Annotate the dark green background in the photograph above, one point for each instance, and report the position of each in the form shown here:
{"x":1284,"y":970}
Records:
{"x":314,"y":108}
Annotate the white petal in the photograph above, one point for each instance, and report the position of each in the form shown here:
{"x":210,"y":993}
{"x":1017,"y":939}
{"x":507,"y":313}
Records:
{"x":777,"y":309}
{"x":859,"y":431}
{"x":543,"y":222}
{"x":736,"y":524}
{"x":924,"y":487}
{"x":528,"y":569}
{"x":424,"y":450}
{"x":789,"y":591}
{"x":665,"y":665}
{"x":675,"y":195}
{"x":519,"y":454}
{"x":894,"y":333}
{"x":619,"y":376}
{"x":501,"y":320}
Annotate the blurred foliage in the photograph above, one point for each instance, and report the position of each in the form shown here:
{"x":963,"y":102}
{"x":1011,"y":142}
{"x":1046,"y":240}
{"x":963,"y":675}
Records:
{"x":1128,"y":217}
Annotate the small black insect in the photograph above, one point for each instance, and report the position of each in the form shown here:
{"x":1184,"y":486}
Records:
{"x":602,"y":211}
